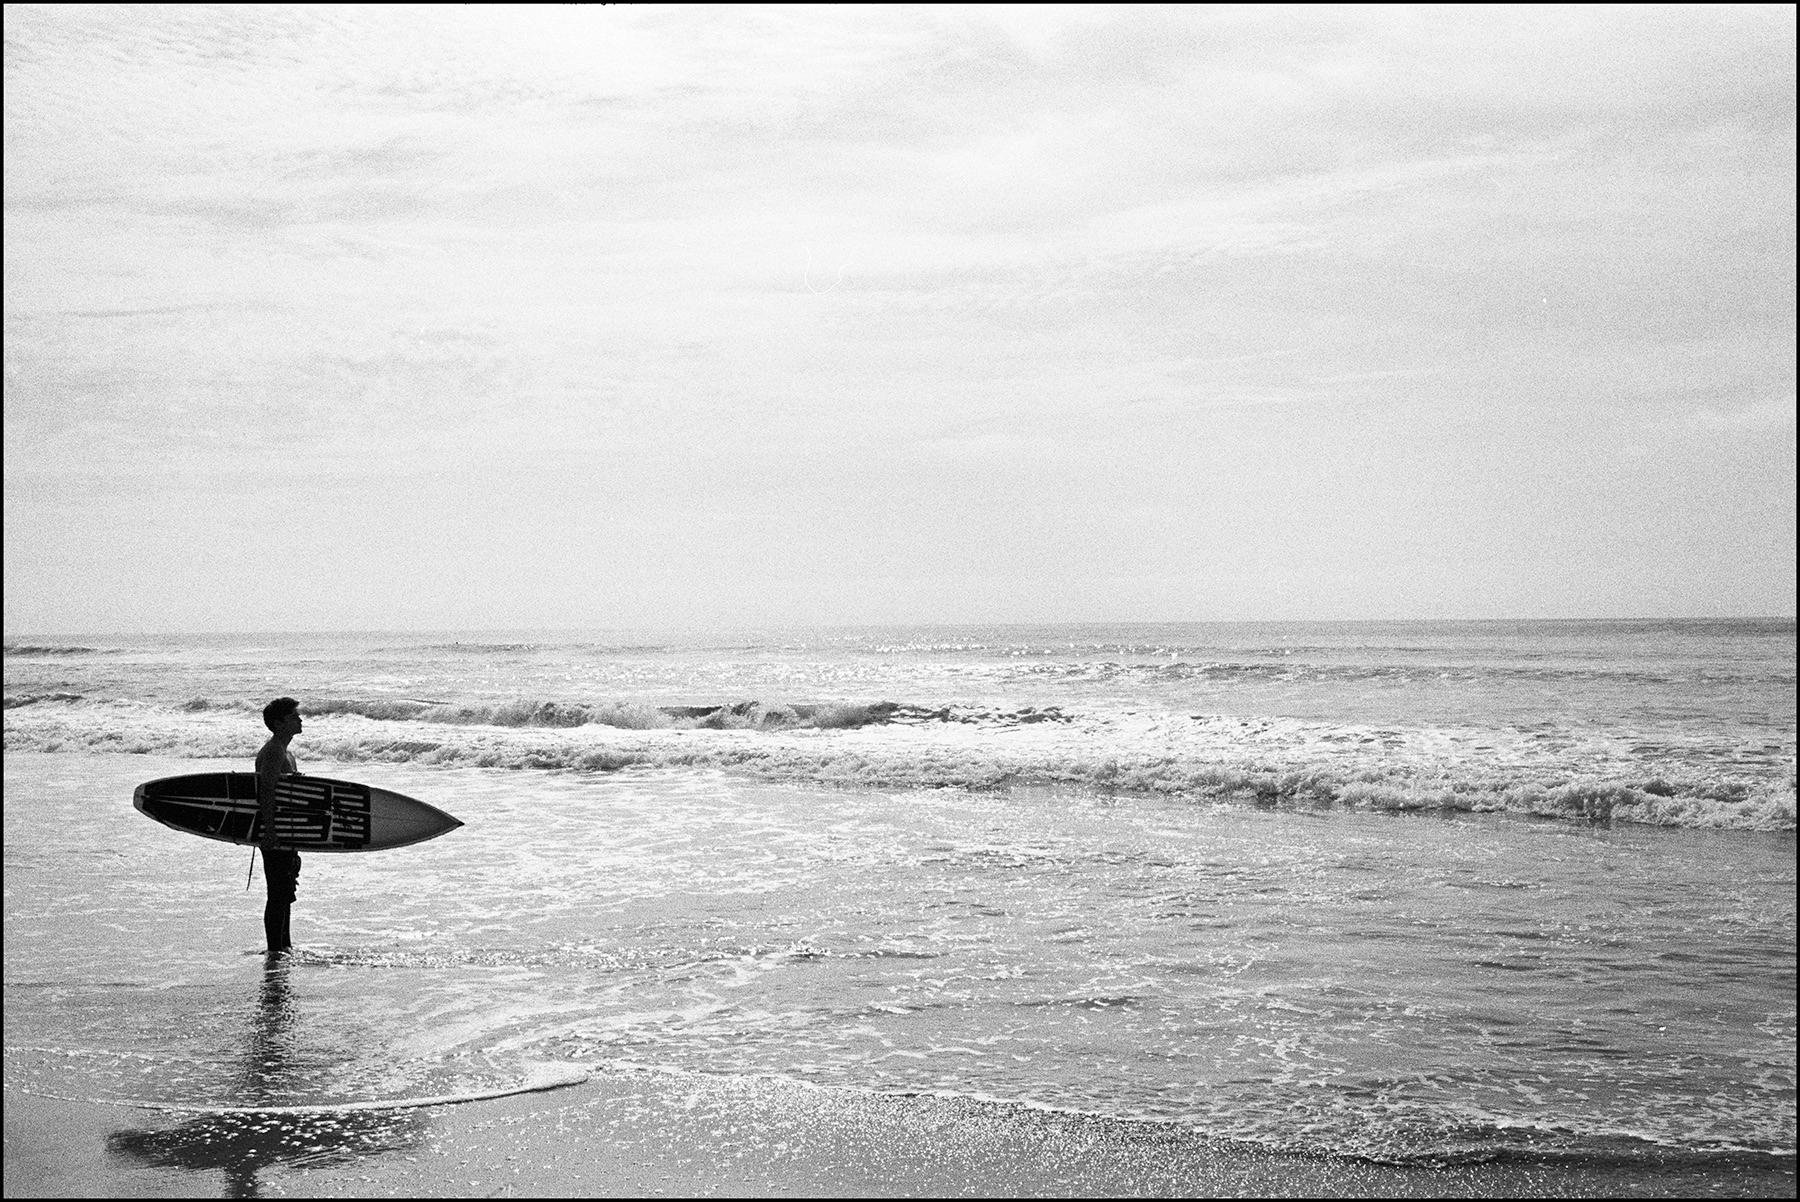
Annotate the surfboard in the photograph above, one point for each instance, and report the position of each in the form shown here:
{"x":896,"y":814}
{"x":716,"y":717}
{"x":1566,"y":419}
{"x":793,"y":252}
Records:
{"x":312,"y":813}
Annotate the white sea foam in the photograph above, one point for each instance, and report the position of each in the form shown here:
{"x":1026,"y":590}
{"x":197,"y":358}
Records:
{"x":1686,"y":724}
{"x":1284,"y":762}
{"x":1334,"y":983}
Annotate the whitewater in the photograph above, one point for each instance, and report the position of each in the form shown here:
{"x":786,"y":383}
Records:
{"x":1681,"y":724}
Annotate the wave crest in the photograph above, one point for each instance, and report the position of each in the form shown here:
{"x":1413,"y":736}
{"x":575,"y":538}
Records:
{"x":46,"y":649}
{"x":886,"y":745}
{"x":15,"y":701}
{"x":622,"y":715}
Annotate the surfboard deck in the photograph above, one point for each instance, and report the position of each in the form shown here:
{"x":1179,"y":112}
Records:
{"x":312,"y":813}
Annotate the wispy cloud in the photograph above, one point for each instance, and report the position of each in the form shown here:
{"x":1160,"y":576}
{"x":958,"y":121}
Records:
{"x":771,"y":251}
{"x":1765,"y":415}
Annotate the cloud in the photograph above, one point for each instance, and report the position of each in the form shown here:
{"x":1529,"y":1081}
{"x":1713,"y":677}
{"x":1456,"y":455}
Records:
{"x":1767,"y":415}
{"x":967,"y":252}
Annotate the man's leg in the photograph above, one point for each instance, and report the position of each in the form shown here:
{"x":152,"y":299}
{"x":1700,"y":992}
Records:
{"x":275,"y":925}
{"x":281,"y":868}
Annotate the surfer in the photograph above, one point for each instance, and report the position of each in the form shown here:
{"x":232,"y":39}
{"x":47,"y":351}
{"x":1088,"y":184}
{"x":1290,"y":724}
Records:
{"x":281,"y":865}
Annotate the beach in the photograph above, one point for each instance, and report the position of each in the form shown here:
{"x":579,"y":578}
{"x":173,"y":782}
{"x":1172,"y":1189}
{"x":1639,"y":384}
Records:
{"x":649,"y":1134}
{"x":1425,"y":911}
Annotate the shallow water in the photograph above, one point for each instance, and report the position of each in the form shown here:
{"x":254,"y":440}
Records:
{"x":1341,"y":983}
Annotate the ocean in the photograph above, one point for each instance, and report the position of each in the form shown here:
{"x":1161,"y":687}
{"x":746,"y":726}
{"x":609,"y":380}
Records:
{"x":1410,"y":892}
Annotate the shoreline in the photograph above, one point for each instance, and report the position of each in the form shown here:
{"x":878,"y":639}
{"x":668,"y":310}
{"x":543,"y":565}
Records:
{"x":643,"y":1132}
{"x":145,"y":984}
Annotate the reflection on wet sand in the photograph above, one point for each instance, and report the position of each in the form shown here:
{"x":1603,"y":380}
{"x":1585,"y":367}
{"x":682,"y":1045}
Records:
{"x":245,"y":1140}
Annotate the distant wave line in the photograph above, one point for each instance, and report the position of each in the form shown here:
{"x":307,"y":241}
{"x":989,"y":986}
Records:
{"x":46,"y":649}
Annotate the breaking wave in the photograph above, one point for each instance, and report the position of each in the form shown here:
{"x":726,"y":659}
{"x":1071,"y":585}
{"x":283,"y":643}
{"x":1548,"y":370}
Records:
{"x":46,"y":649}
{"x":523,"y":649}
{"x":1240,"y":671}
{"x":23,"y":699}
{"x":622,"y":715}
{"x":1288,"y":764}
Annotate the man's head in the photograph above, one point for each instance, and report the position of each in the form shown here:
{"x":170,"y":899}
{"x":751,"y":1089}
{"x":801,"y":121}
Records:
{"x":280,"y":712}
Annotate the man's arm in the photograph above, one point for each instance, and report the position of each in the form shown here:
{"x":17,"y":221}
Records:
{"x":268,"y":775}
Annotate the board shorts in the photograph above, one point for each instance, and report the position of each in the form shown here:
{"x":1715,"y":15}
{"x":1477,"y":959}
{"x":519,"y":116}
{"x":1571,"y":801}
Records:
{"x":281,"y":866}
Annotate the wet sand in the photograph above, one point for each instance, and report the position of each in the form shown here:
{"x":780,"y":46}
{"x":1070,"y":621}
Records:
{"x":637,"y":1133}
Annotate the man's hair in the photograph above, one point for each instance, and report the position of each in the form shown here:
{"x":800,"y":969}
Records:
{"x":278,"y":709}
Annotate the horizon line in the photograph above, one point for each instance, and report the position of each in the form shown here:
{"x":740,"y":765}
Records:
{"x":686,"y":628}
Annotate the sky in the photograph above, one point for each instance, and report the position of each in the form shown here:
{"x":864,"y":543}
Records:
{"x":416,"y":317}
